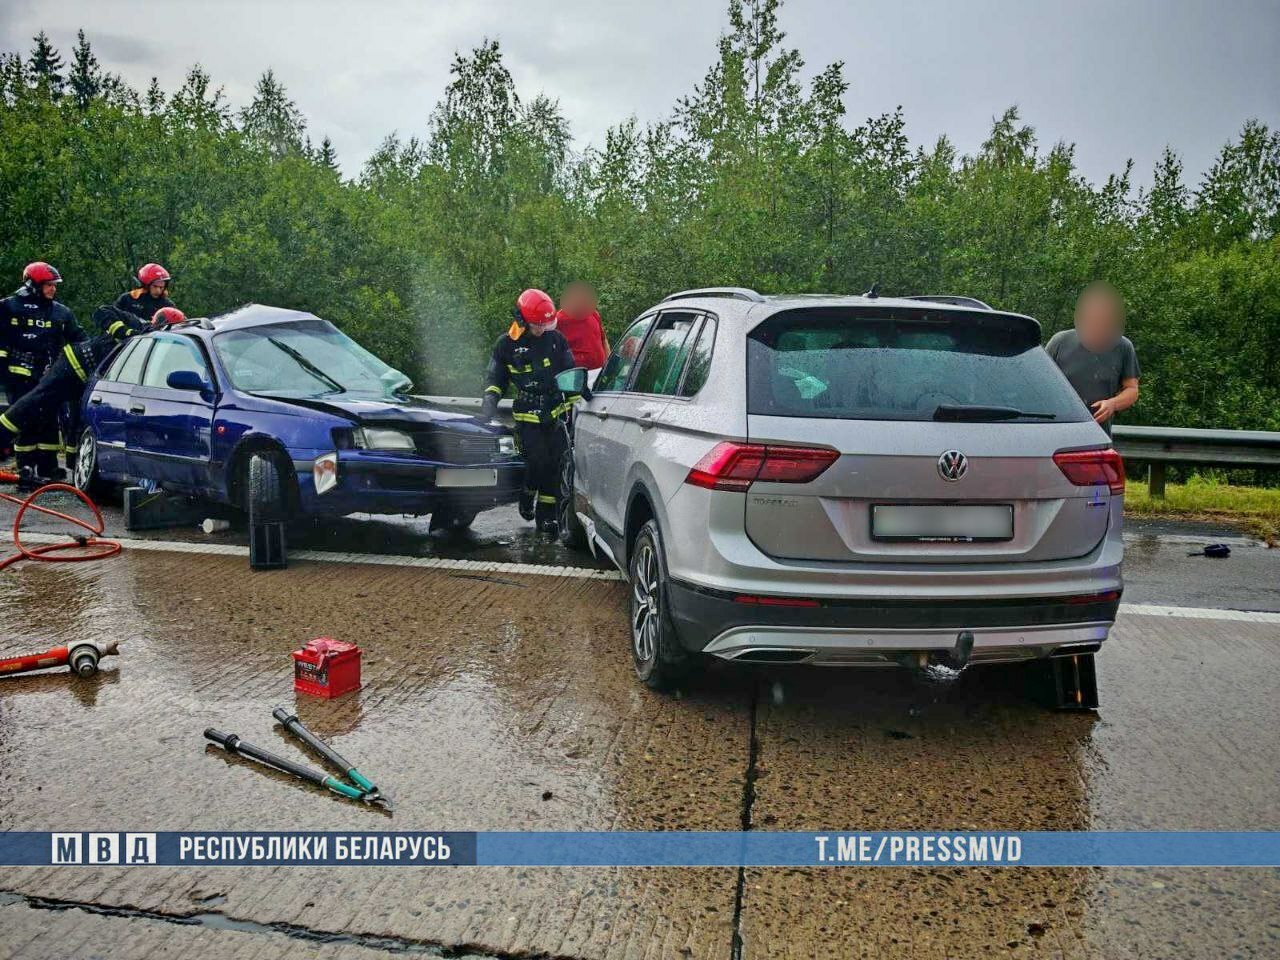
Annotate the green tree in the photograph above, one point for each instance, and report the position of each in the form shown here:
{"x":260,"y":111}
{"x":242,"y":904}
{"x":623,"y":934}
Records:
{"x":85,"y":81}
{"x":46,"y":65}
{"x":756,"y":177}
{"x":272,"y":121}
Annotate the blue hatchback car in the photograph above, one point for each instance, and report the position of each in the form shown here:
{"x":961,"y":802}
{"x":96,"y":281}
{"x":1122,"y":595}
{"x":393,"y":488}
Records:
{"x":279,"y":413}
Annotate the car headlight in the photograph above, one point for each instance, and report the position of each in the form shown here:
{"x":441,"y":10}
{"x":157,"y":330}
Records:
{"x":325,"y":472}
{"x":506,"y":445}
{"x":384,"y":438}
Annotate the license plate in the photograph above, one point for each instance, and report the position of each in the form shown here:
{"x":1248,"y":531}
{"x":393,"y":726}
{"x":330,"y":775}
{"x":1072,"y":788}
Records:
{"x":942,"y":523}
{"x":466,"y":477}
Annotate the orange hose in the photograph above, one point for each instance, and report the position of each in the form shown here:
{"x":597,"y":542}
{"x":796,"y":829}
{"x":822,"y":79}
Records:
{"x":99,"y":549}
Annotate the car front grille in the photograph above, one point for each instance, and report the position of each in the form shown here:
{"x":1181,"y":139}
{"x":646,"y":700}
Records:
{"x":449,"y":447}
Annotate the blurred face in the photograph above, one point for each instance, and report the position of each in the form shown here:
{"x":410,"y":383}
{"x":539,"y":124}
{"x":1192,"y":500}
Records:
{"x":157,"y":289}
{"x":578,"y":300}
{"x":538,"y":329}
{"x":1099,"y":319}
{"x":49,"y":290}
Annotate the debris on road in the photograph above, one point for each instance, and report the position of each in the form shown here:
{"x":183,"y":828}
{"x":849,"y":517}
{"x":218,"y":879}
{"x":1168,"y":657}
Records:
{"x":327,"y":668}
{"x":1216,"y":551}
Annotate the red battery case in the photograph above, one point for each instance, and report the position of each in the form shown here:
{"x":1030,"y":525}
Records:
{"x":326,"y":668}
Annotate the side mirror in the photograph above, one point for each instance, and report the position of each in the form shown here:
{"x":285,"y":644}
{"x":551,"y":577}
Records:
{"x":186,"y":380}
{"x":572,"y":380}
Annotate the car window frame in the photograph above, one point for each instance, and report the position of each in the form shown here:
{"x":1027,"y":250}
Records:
{"x":650,"y":315}
{"x":707,"y":318}
{"x":118,"y":359}
{"x":698,"y":316}
{"x":167,"y":337}
{"x":143,"y":343}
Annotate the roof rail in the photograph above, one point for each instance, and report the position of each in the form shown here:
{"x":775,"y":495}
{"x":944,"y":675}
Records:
{"x":731,"y":293}
{"x":952,"y":300}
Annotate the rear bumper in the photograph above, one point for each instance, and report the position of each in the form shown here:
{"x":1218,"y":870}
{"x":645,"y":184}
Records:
{"x":880,"y":632}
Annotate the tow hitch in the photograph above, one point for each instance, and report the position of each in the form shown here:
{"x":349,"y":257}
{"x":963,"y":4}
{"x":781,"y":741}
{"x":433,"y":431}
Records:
{"x":941,"y":664}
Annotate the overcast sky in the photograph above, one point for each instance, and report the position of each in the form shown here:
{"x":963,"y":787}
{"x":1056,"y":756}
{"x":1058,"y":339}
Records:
{"x":1119,"y":78}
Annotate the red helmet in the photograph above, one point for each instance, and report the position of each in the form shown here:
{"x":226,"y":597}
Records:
{"x":167,"y":317}
{"x":40,"y":272}
{"x":534,"y":306}
{"x":153,"y":273}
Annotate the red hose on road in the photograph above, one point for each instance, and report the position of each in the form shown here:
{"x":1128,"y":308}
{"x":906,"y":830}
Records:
{"x":97,"y":549}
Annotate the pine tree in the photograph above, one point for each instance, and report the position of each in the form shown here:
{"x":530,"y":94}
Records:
{"x":196,"y":107}
{"x":155,"y":97}
{"x":328,"y":156}
{"x":272,"y":120}
{"x":1167,"y":201}
{"x":13,"y":77}
{"x":86,"y":79}
{"x":46,"y":65}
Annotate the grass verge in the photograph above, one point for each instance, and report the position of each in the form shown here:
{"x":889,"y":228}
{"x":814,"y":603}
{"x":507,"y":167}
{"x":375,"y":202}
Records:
{"x":1255,"y":509}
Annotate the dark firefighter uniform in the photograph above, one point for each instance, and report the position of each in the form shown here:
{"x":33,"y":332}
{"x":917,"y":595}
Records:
{"x":33,"y":331}
{"x":64,"y":381}
{"x":528,"y":365}
{"x":141,"y":304}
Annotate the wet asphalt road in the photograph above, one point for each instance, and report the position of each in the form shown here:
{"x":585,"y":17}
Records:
{"x":508,"y":703}
{"x":1158,"y":569}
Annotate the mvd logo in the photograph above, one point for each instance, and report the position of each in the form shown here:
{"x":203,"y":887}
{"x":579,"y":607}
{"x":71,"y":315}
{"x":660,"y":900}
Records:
{"x":126,"y":849}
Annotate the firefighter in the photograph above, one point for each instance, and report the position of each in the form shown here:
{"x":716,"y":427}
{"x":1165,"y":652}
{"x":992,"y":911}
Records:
{"x":64,"y":382}
{"x":34,"y":327}
{"x":150,"y":295}
{"x":527,"y":358}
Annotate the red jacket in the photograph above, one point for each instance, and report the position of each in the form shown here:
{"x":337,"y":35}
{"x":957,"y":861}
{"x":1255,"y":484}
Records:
{"x":586,"y":339}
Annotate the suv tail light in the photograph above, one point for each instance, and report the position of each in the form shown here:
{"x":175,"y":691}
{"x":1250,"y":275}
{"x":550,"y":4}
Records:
{"x":1092,"y":468}
{"x":735,"y":466}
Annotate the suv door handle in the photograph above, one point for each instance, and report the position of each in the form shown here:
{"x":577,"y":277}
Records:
{"x":646,"y":419}
{"x":95,"y":399}
{"x":137,"y":408}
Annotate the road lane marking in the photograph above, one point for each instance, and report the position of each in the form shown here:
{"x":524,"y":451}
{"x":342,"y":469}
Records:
{"x":327,"y":556}
{"x":1198,"y":613}
{"x":581,"y":573}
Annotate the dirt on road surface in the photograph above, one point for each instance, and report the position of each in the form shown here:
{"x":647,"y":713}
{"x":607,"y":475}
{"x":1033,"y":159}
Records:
{"x":507,"y":702}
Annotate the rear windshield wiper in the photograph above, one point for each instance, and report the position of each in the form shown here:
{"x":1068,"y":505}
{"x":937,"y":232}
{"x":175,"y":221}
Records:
{"x":980,"y":414}
{"x":308,"y":366}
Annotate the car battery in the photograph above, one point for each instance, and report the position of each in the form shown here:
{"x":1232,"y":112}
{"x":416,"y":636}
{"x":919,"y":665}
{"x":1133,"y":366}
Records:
{"x":325,"y":667}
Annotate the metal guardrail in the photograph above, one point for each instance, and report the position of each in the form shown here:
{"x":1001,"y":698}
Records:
{"x":1160,"y":446}
{"x":1156,"y":446}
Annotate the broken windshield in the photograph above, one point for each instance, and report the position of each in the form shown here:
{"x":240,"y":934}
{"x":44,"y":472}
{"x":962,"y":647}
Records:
{"x":307,"y":358}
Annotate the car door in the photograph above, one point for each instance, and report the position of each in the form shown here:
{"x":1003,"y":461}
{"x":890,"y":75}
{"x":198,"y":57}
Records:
{"x":169,"y":431}
{"x":596,"y":448}
{"x":636,"y":410}
{"x":107,"y":405}
{"x":685,"y":429}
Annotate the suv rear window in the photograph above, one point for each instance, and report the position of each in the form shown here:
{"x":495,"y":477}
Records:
{"x":902,"y":364}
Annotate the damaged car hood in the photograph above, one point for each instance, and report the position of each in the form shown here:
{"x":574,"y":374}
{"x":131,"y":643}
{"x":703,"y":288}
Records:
{"x":367,"y":407}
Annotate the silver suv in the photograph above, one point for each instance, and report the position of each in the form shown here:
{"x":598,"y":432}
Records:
{"x":848,"y":480}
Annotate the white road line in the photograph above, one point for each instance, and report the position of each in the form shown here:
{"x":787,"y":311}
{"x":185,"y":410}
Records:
{"x":326,"y":556}
{"x":1193,"y":540}
{"x":581,"y":573}
{"x":1198,"y":613}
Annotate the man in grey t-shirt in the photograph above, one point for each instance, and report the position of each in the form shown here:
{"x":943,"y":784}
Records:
{"x":1096,"y":357}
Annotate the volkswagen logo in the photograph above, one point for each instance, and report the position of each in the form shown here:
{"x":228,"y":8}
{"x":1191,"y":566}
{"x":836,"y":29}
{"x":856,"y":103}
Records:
{"x":952,"y":466}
